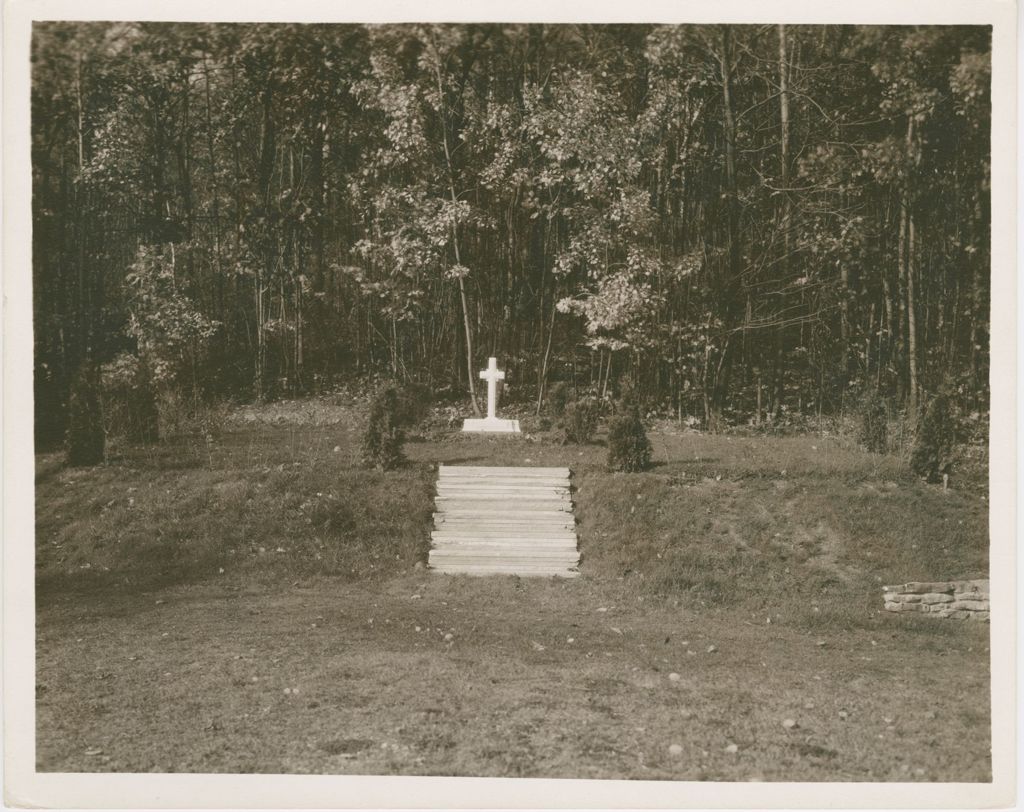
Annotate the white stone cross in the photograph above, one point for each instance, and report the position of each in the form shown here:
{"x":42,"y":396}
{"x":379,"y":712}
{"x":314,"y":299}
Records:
{"x":492,"y":375}
{"x":491,"y":423}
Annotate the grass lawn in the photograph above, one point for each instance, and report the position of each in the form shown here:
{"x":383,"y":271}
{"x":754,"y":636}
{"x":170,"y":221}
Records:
{"x":252,"y":603}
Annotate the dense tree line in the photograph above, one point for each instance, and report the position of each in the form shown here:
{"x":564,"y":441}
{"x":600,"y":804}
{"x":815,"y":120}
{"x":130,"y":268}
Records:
{"x":742,"y":221}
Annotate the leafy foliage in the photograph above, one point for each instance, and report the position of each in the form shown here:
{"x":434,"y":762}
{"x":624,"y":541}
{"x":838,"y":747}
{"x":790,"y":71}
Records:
{"x":168,"y":329}
{"x":382,"y":440}
{"x":600,"y":202}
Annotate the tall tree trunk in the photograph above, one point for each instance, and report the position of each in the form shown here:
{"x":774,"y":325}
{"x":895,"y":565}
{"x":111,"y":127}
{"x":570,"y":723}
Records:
{"x":784,"y":218}
{"x":908,"y":315}
{"x":267,"y":154}
{"x":911,"y":319}
{"x":730,"y":282}
{"x":470,"y":373}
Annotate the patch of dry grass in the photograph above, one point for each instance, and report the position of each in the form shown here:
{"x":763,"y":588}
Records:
{"x":769,"y":550}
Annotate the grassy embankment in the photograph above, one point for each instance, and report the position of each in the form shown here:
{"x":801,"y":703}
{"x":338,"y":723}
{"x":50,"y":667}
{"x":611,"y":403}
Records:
{"x":251,"y":603}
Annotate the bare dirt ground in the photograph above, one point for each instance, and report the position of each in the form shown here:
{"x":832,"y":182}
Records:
{"x":538,"y":678}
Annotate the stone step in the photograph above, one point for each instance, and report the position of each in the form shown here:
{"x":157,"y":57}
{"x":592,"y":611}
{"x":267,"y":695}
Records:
{"x":541,"y":571}
{"x":509,"y":499}
{"x":470,"y":554}
{"x":495,"y":470}
{"x":502,"y":490}
{"x":563,"y":520}
{"x":518,"y":563}
{"x":512,"y":508}
{"x":540,"y":545}
{"x":464,"y":511}
{"x":492,"y":482}
{"x":502,"y":535}
{"x":492,"y":520}
{"x":523,"y":528}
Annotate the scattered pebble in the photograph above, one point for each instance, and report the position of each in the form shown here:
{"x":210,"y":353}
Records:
{"x":602,"y":609}
{"x":449,"y":637}
{"x":536,"y":646}
{"x":711,"y":649}
{"x":732,"y":748}
{"x":675,"y":749}
{"x":674,"y":677}
{"x":570,"y":639}
{"x":417,"y":628}
{"x":789,"y":724}
{"x":844,"y":715}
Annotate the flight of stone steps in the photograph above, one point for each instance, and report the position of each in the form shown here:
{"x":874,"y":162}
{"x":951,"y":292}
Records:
{"x":513,"y":521}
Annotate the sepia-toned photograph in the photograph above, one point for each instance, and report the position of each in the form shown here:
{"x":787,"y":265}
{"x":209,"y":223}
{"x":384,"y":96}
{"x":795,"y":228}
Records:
{"x":512,"y":400}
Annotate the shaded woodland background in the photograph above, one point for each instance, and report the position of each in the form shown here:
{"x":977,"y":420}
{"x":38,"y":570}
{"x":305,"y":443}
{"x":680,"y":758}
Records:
{"x":745,"y":222}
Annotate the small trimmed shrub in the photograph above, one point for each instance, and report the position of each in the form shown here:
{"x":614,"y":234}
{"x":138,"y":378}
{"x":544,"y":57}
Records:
{"x":382,"y":441}
{"x":933,"y":445}
{"x":628,"y":447}
{"x":413,"y":401}
{"x":558,"y":397}
{"x":86,"y":438}
{"x":873,"y":423}
{"x":580,"y":422}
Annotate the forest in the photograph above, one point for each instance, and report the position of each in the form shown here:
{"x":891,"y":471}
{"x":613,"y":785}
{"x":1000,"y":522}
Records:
{"x":743,"y":222}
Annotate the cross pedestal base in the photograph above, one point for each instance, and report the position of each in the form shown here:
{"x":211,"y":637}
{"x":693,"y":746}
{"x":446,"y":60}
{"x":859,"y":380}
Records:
{"x":497,"y":425}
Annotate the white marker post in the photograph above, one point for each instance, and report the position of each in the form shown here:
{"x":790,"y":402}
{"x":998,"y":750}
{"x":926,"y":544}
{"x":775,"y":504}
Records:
{"x":491,"y":423}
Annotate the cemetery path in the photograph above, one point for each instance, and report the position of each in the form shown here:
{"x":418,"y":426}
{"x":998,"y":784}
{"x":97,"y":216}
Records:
{"x":441,"y":675}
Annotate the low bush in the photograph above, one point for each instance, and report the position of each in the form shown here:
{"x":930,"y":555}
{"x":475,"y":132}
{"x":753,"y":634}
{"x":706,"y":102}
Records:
{"x":933,"y":445}
{"x":581,"y":419}
{"x":628,"y":447}
{"x":873,"y":422}
{"x":382,"y":441}
{"x":412,"y":404}
{"x":86,"y":438}
{"x":559,"y":394}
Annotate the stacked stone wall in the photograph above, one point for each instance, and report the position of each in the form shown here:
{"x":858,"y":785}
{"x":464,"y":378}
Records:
{"x":961,"y":600}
